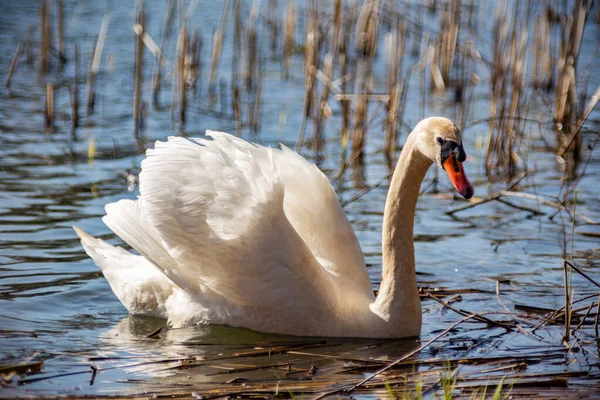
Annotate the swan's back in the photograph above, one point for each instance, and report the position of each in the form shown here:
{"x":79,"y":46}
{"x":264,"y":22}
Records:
{"x":246,"y":235}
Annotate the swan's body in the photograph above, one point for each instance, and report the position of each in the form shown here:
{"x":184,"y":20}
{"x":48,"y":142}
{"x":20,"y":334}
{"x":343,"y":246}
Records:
{"x":243,"y":235}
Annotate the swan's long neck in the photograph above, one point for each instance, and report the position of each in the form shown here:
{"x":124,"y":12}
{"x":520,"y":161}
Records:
{"x":398,"y":300}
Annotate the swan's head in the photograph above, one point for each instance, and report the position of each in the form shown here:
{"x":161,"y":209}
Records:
{"x":440,"y":140}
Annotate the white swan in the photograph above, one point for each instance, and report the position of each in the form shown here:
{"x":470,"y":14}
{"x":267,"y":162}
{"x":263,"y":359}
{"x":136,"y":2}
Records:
{"x":239,"y":234}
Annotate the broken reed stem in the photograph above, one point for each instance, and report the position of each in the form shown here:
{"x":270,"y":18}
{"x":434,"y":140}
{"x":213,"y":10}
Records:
{"x":49,"y":106}
{"x":567,"y":302}
{"x":180,"y":73}
{"x":217,"y":44}
{"x":157,"y":75}
{"x":597,"y":317}
{"x":394,"y":43}
{"x":311,"y":54}
{"x":252,"y":51}
{"x":75,"y":93}
{"x":412,"y":353}
{"x":139,"y":29}
{"x":464,"y":313}
{"x":13,"y":66}
{"x":367,"y":27}
{"x":94,"y":65}
{"x":566,"y":97}
{"x":289,"y":41}
{"x":324,"y":111}
{"x":235,"y":67}
{"x":273,"y":25}
{"x":62,"y":58}
{"x":45,"y":39}
{"x":580,"y":272}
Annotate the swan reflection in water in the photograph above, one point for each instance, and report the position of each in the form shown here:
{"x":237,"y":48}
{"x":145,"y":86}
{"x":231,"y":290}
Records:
{"x":217,"y":353}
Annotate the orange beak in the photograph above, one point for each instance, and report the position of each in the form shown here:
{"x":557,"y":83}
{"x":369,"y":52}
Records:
{"x":457,"y":176}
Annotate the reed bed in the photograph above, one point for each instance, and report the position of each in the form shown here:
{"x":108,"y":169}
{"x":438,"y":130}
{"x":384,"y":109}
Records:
{"x":338,"y":49}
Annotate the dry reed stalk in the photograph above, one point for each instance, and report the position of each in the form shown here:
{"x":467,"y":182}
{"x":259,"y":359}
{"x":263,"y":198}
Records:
{"x":75,"y":93}
{"x":237,"y":45}
{"x":45,"y":39}
{"x":417,"y":36}
{"x":337,"y":28}
{"x":324,"y":111}
{"x":29,"y":45}
{"x":258,"y":104}
{"x":289,"y":34}
{"x":180,"y":71}
{"x":193,"y":60}
{"x":157,"y":73}
{"x":566,"y":99}
{"x":91,"y":95}
{"x":252,"y":51}
{"x":235,"y":67}
{"x":237,"y":110}
{"x":223,"y":96}
{"x":217,"y":44}
{"x":449,"y":27}
{"x":394,"y":44}
{"x":542,"y":62}
{"x":139,"y":65}
{"x":62,"y":58}
{"x":94,"y":66}
{"x":49,"y":113}
{"x":13,"y":66}
{"x":506,"y":105}
{"x":367,"y":28}
{"x":567,"y":302}
{"x":273,"y":24}
{"x":311,"y":56}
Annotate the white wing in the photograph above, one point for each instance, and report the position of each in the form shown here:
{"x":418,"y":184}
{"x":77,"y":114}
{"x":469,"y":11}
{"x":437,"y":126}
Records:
{"x":312,"y":207}
{"x":249,"y":234}
{"x":218,"y":211}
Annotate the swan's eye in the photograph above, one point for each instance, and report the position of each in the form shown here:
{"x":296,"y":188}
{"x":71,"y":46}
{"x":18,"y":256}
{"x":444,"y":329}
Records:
{"x":440,"y":140}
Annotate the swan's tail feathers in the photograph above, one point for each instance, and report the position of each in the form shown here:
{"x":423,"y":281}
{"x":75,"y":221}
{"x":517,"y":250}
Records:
{"x":126,"y":218}
{"x":141,"y":288}
{"x":105,"y":255}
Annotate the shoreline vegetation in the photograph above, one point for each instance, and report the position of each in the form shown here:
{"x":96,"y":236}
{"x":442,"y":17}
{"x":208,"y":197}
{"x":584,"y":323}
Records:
{"x":535,"y":80}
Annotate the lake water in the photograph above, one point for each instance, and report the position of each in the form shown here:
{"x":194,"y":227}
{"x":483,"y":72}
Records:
{"x":56,"y":307}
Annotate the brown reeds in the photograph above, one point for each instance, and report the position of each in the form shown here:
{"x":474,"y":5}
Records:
{"x":448,"y":40}
{"x":13,"y":66}
{"x":367,"y":30}
{"x":45,"y":37}
{"x":217,"y":44}
{"x":49,"y":111}
{"x":157,"y":73}
{"x":139,"y":29}
{"x":180,"y":72}
{"x":75,"y":89}
{"x":565,"y":114}
{"x":542,"y":57}
{"x":289,"y":37}
{"x":394,"y":47}
{"x":505,"y":126}
{"x":273,"y":24}
{"x":62,"y":57}
{"x":94,"y":65}
{"x":311,"y":56}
